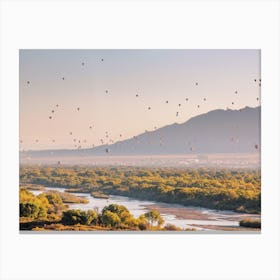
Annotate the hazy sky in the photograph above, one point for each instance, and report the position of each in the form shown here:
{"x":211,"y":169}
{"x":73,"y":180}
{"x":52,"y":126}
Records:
{"x":80,"y":78}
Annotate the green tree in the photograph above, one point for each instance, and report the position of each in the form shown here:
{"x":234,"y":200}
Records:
{"x":110,"y":219}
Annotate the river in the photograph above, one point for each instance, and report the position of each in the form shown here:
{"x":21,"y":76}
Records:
{"x":178,"y":215}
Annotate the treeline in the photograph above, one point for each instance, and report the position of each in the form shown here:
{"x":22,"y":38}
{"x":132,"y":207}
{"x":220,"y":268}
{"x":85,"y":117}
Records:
{"x":47,"y":211}
{"x":224,"y":189}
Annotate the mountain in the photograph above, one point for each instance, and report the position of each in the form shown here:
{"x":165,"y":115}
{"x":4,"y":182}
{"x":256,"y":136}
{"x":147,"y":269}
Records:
{"x":218,"y":131}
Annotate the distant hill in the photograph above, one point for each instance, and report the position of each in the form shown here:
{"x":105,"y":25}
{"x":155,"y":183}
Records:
{"x":218,"y":131}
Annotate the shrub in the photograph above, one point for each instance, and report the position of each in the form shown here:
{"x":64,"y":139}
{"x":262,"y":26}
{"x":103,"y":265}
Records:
{"x":73,"y":217}
{"x":250,"y":223}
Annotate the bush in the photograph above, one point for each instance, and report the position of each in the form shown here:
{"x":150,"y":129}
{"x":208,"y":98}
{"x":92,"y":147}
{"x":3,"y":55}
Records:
{"x":171,"y":227}
{"x":250,"y":223}
{"x":73,"y":217}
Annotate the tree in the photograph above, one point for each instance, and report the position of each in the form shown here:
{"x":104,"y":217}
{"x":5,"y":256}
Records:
{"x":125,"y":217}
{"x":153,"y":217}
{"x":110,"y":219}
{"x":32,"y":210}
{"x":90,"y":217}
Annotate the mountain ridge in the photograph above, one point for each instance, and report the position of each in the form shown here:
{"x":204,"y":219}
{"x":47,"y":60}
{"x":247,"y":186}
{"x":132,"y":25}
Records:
{"x":217,"y":131}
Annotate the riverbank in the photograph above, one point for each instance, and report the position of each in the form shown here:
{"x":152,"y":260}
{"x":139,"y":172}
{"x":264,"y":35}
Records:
{"x":181,"y":216}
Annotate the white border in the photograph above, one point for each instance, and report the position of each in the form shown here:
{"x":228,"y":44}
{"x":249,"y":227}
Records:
{"x":155,"y":24}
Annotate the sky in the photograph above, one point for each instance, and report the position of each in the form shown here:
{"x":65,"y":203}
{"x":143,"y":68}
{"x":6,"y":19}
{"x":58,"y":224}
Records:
{"x":67,"y":96}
